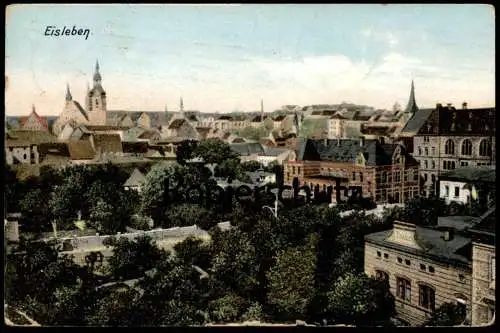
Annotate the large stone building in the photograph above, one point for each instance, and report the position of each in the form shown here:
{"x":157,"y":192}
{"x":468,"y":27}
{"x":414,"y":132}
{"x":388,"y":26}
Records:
{"x":452,"y":262}
{"x":425,"y":268}
{"x":384,"y":172}
{"x":483,"y":271}
{"x":446,"y":138}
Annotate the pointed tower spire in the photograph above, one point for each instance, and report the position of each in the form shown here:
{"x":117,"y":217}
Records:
{"x":412,"y":107}
{"x":261,"y":110}
{"x":97,"y":75}
{"x":181,"y":107}
{"x":33,"y":108}
{"x":68,"y":93}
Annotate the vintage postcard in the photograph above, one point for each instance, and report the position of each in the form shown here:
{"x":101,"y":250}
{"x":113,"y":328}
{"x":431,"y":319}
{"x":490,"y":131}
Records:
{"x":250,"y":165}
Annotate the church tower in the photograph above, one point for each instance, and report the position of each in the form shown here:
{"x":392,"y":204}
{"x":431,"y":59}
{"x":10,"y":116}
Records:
{"x":96,"y":100}
{"x":412,"y":107}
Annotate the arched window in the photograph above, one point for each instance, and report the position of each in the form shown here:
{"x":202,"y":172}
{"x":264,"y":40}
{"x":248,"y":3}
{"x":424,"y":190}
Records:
{"x":485,"y":148}
{"x":449,"y":147}
{"x":403,"y":290}
{"x":467,"y":147}
{"x":426,"y":297}
{"x":382,"y":275}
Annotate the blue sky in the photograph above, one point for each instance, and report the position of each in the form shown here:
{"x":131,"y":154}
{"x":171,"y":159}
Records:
{"x":228,"y":57}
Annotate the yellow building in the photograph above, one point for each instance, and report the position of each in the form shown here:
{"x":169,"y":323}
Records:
{"x":425,"y":267}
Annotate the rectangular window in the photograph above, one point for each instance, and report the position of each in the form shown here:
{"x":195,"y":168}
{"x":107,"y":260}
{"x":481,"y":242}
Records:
{"x":379,"y":254}
{"x":464,"y":163}
{"x":407,"y":262}
{"x":422,"y":267}
{"x":426,"y":151}
{"x":403,"y":290}
{"x":354,"y":176}
{"x":425,"y":177}
{"x":457,"y":191}
{"x":431,"y":269}
{"x":426,"y":165}
{"x":444,"y":165}
{"x":386,"y":256}
{"x":433,"y":164}
{"x":433,"y":149}
{"x":293,"y":170}
{"x":446,"y":190}
{"x":426,"y":297}
{"x":400,"y":260}
{"x":361,"y":176}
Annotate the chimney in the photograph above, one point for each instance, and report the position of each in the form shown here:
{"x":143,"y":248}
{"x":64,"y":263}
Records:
{"x":464,"y":105}
{"x":448,"y":235}
{"x":325,"y":141}
{"x":361,"y":141}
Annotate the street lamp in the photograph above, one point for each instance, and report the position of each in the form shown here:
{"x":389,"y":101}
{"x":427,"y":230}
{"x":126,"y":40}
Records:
{"x":275,"y":209}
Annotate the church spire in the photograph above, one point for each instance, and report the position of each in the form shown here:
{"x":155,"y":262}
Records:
{"x":68,"y":93}
{"x":33,"y":108}
{"x":261,"y":110}
{"x":412,"y":107}
{"x":97,"y":75}
{"x":181,"y":107}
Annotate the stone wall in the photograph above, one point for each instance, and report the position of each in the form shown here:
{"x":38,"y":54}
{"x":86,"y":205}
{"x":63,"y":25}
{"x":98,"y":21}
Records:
{"x":483,"y":284}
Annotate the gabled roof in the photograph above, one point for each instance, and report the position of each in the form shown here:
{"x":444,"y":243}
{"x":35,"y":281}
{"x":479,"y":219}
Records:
{"x":38,"y":119}
{"x":430,"y":241}
{"x":32,"y":136}
{"x":80,"y":109}
{"x":177,"y":123}
{"x":81,"y":150}
{"x":248,"y":148}
{"x":416,"y":122}
{"x":108,"y":143}
{"x":343,"y":150}
{"x":137,"y":178}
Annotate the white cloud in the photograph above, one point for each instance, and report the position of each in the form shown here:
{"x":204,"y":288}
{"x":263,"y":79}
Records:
{"x":385,"y":37}
{"x":241,"y":85}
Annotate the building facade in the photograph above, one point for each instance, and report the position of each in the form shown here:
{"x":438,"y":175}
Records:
{"x":463,"y":185}
{"x":483,"y":270}
{"x":384,"y":172}
{"x":447,"y":138}
{"x":425,"y":269}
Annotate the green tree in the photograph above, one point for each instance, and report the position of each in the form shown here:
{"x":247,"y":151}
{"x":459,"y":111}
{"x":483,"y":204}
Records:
{"x":131,"y":259}
{"x":227,"y":309}
{"x":251,"y":166}
{"x":194,"y":251}
{"x":214,"y":151}
{"x":188,"y":214}
{"x":185,"y":150}
{"x":253,"y":133}
{"x":33,"y":273}
{"x":113,"y":307}
{"x":234,"y":261}
{"x":174,"y":296}
{"x":291,"y":280}
{"x":361,"y":300}
{"x":448,"y":314}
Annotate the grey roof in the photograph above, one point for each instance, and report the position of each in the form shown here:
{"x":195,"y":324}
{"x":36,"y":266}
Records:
{"x":344,"y":151}
{"x":81,"y":109}
{"x":248,"y":148}
{"x":417,"y":121}
{"x":472,"y":174}
{"x":486,"y":223}
{"x":274,"y":151}
{"x":137,"y":178}
{"x":456,"y":222}
{"x":431,"y":242}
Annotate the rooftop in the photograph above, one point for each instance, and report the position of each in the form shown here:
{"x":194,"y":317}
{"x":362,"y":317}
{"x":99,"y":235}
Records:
{"x":472,"y":174}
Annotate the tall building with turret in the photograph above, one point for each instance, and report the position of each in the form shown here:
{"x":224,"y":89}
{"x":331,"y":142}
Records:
{"x":96,"y":100}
